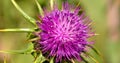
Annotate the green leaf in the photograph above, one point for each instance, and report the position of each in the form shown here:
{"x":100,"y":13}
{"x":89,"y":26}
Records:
{"x":17,"y":30}
{"x":40,"y":59}
{"x":27,"y":50}
{"x":31,"y":20}
{"x":39,"y":8}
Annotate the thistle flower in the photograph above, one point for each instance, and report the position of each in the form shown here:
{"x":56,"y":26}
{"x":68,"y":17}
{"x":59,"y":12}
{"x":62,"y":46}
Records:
{"x":64,"y":33}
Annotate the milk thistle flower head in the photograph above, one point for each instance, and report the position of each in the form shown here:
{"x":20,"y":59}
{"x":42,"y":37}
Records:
{"x":64,"y":33}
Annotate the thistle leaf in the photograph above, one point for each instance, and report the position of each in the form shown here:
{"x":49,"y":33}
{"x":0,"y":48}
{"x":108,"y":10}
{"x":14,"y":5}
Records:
{"x":31,"y":20}
{"x":27,"y":50}
{"x":39,"y":8}
{"x":17,"y":30}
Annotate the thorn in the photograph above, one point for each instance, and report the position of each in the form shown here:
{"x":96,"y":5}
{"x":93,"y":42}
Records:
{"x":34,"y":39}
{"x":96,"y":34}
{"x":90,"y":23}
{"x":72,"y":61}
{"x":93,"y":34}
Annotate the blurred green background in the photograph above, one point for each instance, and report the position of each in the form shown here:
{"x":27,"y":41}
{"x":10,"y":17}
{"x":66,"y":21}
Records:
{"x":105,"y":15}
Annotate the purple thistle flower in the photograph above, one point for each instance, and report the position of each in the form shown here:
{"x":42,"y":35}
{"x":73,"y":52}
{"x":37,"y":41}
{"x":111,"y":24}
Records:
{"x":64,"y":34}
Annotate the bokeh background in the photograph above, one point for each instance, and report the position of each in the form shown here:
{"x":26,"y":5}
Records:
{"x":105,"y":15}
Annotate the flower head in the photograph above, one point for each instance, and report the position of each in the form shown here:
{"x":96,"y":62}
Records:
{"x":64,"y":34}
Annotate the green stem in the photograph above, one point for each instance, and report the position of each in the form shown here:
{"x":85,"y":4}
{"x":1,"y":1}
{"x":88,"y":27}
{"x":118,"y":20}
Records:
{"x":39,"y":8}
{"x":35,"y":62}
{"x":10,"y":52}
{"x":5,"y":60}
{"x":17,"y":30}
{"x":32,"y":20}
